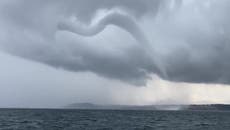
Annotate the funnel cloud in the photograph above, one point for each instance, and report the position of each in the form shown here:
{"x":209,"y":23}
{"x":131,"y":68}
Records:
{"x":116,"y":18}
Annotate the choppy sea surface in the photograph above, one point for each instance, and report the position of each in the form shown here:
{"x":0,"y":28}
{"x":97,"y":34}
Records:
{"x":51,"y":119}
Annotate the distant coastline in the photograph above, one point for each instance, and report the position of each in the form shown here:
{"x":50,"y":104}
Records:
{"x":164,"y":107}
{"x":192,"y":107}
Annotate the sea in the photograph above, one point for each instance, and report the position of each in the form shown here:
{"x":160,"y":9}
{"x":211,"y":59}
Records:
{"x":66,"y":119}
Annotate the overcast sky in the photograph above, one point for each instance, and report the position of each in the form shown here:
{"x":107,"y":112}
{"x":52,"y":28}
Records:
{"x":57,"y":52}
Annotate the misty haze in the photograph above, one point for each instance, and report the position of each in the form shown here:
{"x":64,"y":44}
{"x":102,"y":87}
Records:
{"x":112,"y":59}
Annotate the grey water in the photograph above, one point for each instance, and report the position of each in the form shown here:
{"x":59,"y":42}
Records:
{"x":64,"y":119}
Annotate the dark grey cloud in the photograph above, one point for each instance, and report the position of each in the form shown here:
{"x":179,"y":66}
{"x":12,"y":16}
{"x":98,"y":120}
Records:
{"x":190,"y":44}
{"x":206,"y":58}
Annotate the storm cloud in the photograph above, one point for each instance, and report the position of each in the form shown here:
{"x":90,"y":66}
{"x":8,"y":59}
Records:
{"x":178,"y":41}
